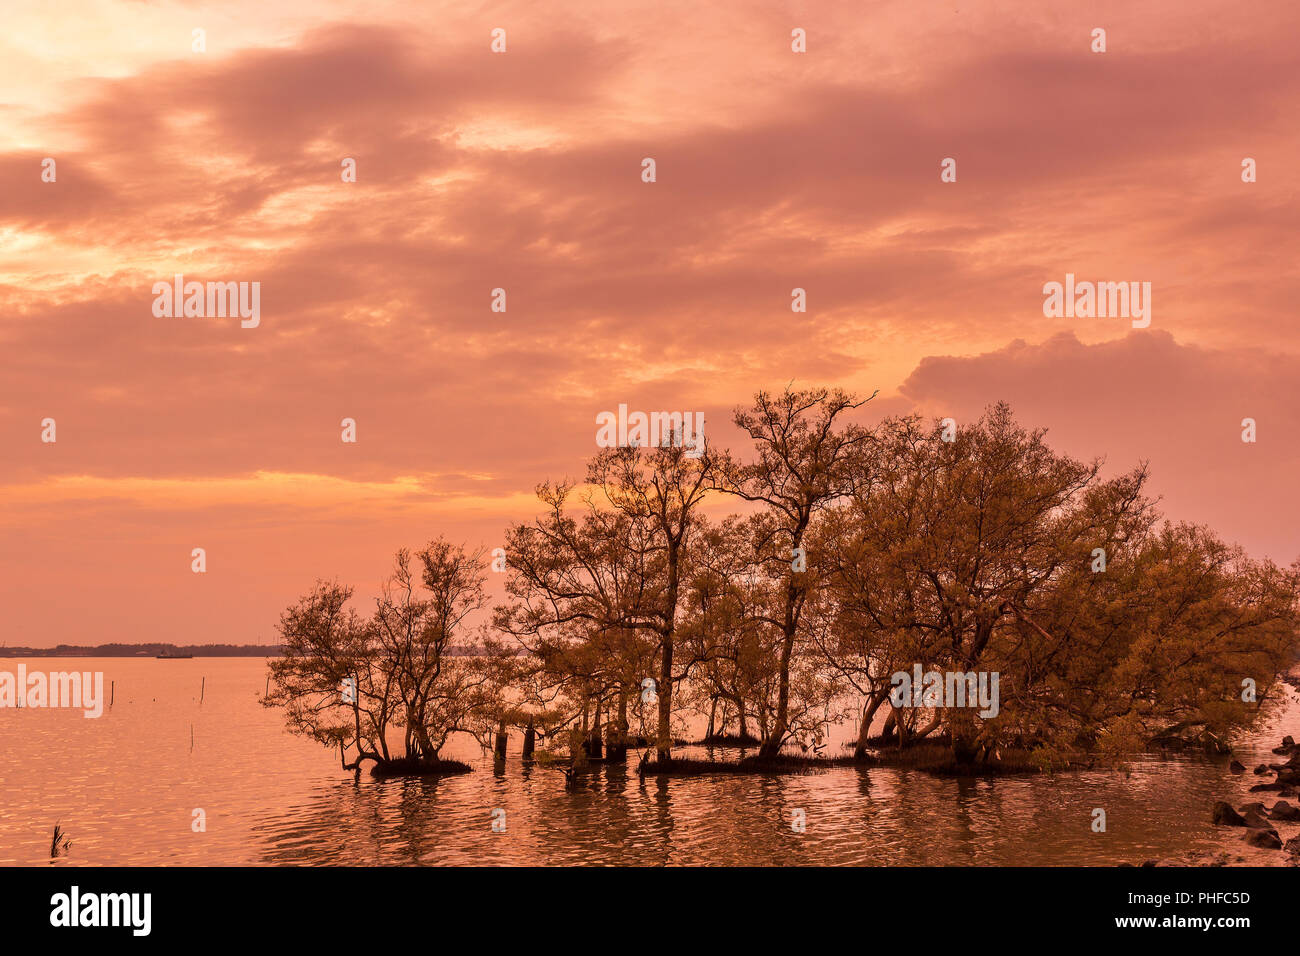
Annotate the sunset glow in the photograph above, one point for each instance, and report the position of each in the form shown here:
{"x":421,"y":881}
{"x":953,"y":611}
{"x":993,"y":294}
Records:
{"x":522,"y":172}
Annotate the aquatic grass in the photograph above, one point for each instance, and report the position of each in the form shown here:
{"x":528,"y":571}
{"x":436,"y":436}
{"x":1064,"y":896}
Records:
{"x":742,"y":741}
{"x":60,"y":844}
{"x":419,"y":767}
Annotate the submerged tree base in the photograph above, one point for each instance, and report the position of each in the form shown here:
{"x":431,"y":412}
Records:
{"x":552,"y":758}
{"x":781,"y":763}
{"x":415,"y":767}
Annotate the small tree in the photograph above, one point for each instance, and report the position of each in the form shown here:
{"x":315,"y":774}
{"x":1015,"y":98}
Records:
{"x":330,"y":679}
{"x":807,"y":459}
{"x":348,"y":682}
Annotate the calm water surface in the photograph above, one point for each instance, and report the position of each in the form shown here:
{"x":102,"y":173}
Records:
{"x":125,"y":786}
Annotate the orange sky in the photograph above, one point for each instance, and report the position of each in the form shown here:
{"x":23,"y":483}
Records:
{"x":522,"y":170}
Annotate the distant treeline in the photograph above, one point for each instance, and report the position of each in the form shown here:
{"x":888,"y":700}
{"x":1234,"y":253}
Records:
{"x":153,"y":650}
{"x":144,"y":650}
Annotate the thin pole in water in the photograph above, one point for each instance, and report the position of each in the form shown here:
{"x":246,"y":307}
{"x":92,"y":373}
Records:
{"x":191,"y":738}
{"x":112,"y":693}
{"x":203,"y":688}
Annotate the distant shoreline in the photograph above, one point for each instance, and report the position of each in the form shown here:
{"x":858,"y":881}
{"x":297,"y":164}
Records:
{"x":171,"y":650}
{"x":144,"y":650}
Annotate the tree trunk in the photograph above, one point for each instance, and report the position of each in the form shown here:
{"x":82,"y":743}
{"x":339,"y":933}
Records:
{"x":593,"y":738}
{"x":962,"y":722}
{"x":663,"y":733}
{"x":500,"y":751}
{"x":964,"y":735}
{"x":895,"y":724}
{"x":423,"y":744}
{"x":616,"y":745}
{"x":929,"y":728}
{"x":868,"y":715}
{"x":963,"y":750}
{"x":772,"y":743}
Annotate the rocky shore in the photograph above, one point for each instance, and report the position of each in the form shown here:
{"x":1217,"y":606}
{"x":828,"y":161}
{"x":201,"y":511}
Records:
{"x":1260,"y":821}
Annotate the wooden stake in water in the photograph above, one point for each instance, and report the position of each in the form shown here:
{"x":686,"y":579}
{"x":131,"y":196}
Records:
{"x":191,"y":738}
{"x":112,"y":693}
{"x":203,"y":689}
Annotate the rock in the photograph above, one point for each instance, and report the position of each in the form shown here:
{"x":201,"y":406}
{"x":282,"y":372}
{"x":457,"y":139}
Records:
{"x":1262,"y":769}
{"x":1225,"y":816}
{"x":1236,"y":767}
{"x":1257,"y":821}
{"x":1256,"y":807}
{"x":1293,"y":846}
{"x":1264,"y":787}
{"x":1264,"y":839}
{"x":1149,"y":862}
{"x":1288,"y":741}
{"x":1284,"y":811}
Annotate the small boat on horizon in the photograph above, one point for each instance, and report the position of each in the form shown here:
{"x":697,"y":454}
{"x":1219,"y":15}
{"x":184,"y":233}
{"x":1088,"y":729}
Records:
{"x":174,"y":657}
